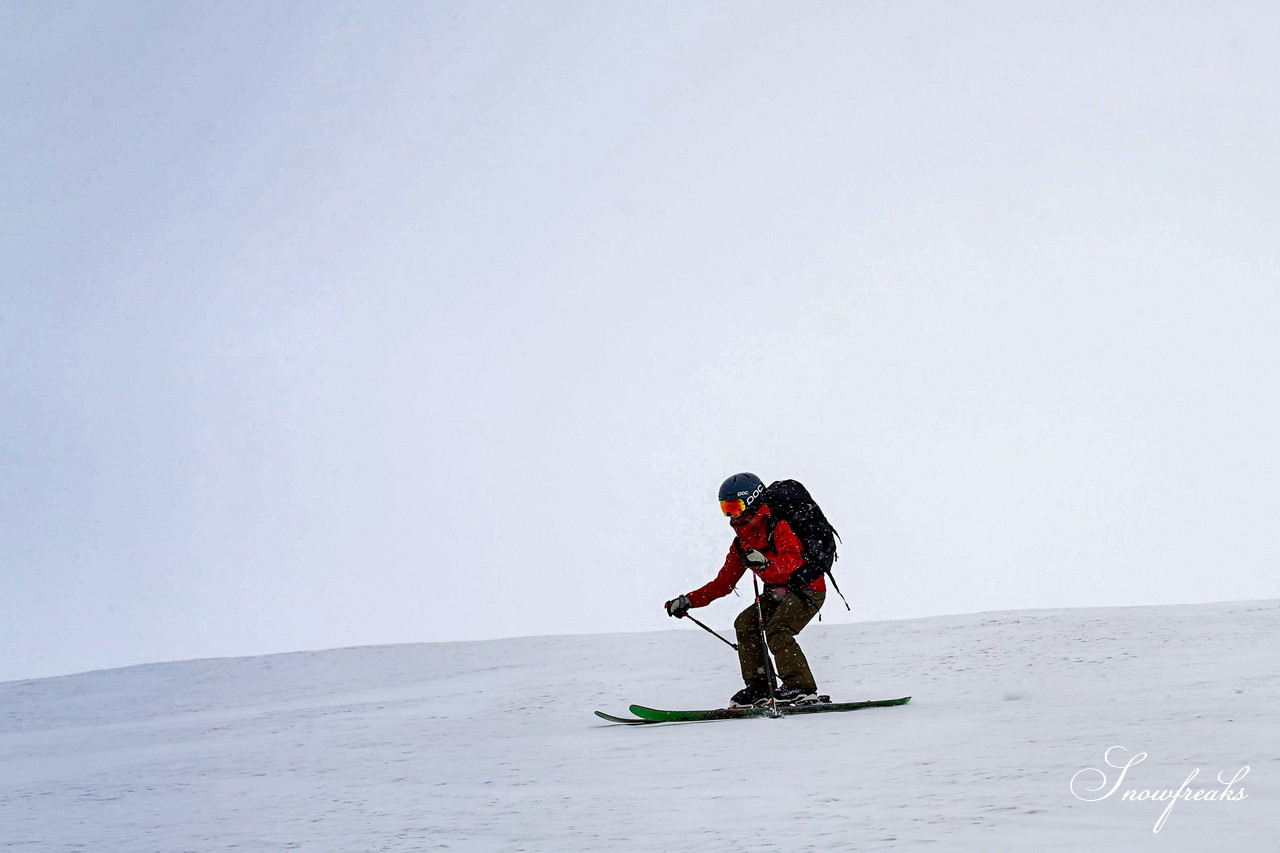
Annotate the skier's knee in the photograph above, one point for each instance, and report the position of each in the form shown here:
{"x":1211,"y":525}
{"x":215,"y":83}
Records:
{"x":780,"y":638}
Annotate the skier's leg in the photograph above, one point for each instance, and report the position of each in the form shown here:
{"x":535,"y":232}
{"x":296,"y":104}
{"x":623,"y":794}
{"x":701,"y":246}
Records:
{"x":792,"y":614}
{"x":751,"y":653}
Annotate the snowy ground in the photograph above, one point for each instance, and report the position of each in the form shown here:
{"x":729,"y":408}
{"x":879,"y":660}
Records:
{"x":493,"y":746}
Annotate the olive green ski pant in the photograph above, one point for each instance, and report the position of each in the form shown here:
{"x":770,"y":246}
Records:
{"x":784,"y":617}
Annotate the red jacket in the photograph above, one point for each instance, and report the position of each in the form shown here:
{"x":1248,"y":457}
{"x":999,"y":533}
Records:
{"x":784,"y":558}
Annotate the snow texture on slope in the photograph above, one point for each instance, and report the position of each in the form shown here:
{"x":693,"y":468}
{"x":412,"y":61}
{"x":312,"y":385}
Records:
{"x":492,"y":745}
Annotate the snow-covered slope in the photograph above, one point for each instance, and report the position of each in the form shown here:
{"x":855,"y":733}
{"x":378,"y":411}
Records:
{"x":493,"y":746}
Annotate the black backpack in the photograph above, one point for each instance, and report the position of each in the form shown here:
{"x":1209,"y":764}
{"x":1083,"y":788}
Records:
{"x":790,"y":501}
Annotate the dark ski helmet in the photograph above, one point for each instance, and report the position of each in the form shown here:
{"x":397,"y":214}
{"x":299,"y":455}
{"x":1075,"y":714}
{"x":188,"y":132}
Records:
{"x":739,"y":493}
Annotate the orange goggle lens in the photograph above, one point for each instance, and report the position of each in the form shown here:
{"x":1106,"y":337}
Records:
{"x":734,"y":507}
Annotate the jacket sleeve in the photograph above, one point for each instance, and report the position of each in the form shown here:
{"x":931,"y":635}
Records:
{"x":784,"y":559}
{"x":730,"y":573}
{"x":786,"y":556}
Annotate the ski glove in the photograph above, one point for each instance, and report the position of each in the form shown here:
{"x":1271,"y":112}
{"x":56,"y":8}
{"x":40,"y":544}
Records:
{"x":678,"y":606}
{"x":755,"y":558}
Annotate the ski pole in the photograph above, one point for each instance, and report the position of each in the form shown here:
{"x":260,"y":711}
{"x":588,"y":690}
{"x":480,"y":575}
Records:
{"x":734,"y":646}
{"x":764,"y":649}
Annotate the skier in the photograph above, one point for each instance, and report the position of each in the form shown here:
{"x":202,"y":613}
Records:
{"x":784,"y":610}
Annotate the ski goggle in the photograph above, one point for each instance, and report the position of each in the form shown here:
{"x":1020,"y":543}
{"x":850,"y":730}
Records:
{"x":733,"y":508}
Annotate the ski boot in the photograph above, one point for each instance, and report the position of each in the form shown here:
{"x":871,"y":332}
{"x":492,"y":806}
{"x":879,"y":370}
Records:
{"x":799,"y":696}
{"x":750,"y":696}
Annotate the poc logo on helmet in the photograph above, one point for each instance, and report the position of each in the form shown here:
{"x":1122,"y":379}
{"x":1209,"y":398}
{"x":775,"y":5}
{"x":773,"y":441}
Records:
{"x":752,"y":497}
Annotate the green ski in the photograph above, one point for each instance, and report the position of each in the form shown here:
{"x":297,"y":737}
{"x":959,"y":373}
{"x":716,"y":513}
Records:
{"x":655,"y":715}
{"x":626,"y":721}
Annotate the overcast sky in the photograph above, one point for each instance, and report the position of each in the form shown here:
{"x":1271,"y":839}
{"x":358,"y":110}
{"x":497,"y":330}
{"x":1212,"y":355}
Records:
{"x":330,"y":324}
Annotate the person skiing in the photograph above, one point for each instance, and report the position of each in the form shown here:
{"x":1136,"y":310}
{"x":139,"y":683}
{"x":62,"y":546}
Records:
{"x":785,"y":610}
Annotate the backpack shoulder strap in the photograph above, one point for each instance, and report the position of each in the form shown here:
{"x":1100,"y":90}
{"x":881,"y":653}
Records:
{"x":770,"y":523}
